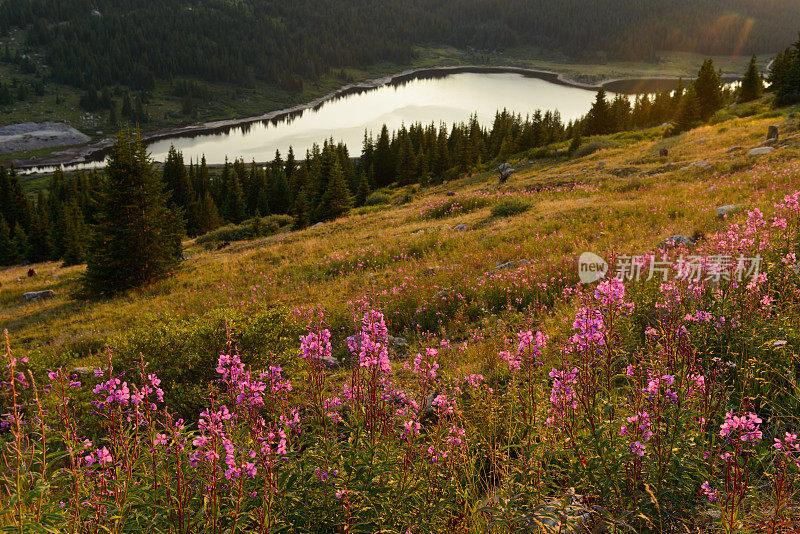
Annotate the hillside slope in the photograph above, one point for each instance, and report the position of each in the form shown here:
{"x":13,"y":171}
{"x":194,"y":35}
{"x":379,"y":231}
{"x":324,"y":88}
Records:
{"x":645,"y":403}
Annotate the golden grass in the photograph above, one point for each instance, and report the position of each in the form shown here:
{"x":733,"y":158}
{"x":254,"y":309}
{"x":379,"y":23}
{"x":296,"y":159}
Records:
{"x":393,"y":251}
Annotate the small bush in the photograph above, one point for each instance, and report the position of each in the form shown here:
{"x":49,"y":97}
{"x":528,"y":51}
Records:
{"x":455,"y":206}
{"x":592,"y":146}
{"x":250,"y":229}
{"x":721,"y":116}
{"x":747,"y":111}
{"x":377,"y":198}
{"x":510,"y":207}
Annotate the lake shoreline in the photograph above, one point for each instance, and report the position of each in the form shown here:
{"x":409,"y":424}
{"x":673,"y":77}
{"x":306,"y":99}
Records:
{"x":97,"y":150}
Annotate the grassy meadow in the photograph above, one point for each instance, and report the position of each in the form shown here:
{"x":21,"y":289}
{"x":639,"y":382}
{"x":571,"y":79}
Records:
{"x":465,"y":269}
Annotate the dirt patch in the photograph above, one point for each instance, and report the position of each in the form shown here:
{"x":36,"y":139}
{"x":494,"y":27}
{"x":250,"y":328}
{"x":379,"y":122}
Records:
{"x":29,"y":136}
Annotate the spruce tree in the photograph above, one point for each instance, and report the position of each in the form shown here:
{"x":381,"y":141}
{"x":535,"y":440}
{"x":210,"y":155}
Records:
{"x":75,"y":234}
{"x":9,"y":255}
{"x":577,"y":140}
{"x":363,"y":190}
{"x":336,"y":200}
{"x":688,"y":114}
{"x":708,"y":89}
{"x":383,"y":160}
{"x":40,"y":237}
{"x":788,"y":89}
{"x":598,"y":121}
{"x":302,"y":209}
{"x":752,"y":84}
{"x":20,"y":239}
{"x":137,"y":237}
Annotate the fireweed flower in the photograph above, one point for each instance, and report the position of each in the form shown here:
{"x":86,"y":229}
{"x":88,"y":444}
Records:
{"x":562,"y":394}
{"x":748,"y":426}
{"x":708,"y":492}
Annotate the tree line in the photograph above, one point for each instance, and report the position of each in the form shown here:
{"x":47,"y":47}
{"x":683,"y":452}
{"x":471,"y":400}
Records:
{"x":62,"y":222}
{"x":103,"y":43}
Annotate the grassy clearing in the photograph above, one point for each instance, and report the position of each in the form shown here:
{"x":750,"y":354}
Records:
{"x":404,"y":256}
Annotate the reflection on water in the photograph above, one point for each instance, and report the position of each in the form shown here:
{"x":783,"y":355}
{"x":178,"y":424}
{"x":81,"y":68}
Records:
{"x":449,"y":99}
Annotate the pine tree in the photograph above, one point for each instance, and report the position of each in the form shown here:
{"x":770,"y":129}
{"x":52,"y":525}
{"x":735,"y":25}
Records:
{"x":688,"y":114}
{"x":577,"y":140}
{"x":708,"y":89}
{"x":9,"y":255}
{"x":383,"y":160}
{"x":788,"y":80}
{"x":336,"y":200}
{"x":363,"y":190}
{"x":177,"y":180}
{"x":302,"y":209}
{"x":206,"y":214}
{"x":407,"y":162}
{"x":40,"y":237}
{"x":20,"y":239}
{"x":137,"y":238}
{"x":752,"y":84}
{"x":598,"y":121}
{"x":127,"y":107}
{"x":75,"y":234}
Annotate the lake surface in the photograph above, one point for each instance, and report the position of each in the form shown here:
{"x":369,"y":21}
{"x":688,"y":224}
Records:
{"x":448,"y":99}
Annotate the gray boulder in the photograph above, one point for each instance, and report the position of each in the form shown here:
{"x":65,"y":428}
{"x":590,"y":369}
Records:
{"x":398,"y":342}
{"x":722,"y":211}
{"x":38,"y":295}
{"x":761,"y":151}
{"x":461,"y":227}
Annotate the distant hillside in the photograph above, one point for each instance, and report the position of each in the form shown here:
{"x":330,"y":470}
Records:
{"x":105,"y":42}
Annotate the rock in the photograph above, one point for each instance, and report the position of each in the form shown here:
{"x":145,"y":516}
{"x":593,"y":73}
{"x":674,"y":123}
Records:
{"x":31,"y":273}
{"x":510,"y":265}
{"x":83,"y":371}
{"x":663,"y":153}
{"x":397,"y":342}
{"x":703,"y":164}
{"x":676,"y":241}
{"x":461,"y":227}
{"x":733,"y":149}
{"x":624,"y":172}
{"x":315,"y":225}
{"x":772,"y":133}
{"x":36,"y":295}
{"x":722,"y":211}
{"x":761,"y":151}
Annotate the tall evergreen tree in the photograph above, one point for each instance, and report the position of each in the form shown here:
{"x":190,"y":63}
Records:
{"x":336,"y":200}
{"x":383,"y":160}
{"x":598,"y":121}
{"x":40,"y":237}
{"x":362,"y":194}
{"x":708,"y":90}
{"x":9,"y":255}
{"x":75,"y":234}
{"x":752,"y":84}
{"x":688,"y":114}
{"x":137,"y":237}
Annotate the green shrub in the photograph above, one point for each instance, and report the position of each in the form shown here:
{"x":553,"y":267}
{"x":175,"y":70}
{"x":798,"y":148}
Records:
{"x":250,"y":229}
{"x":184,"y":353}
{"x":593,"y":145}
{"x":510,"y":207}
{"x":377,"y":198}
{"x":454,"y":206}
{"x":721,"y":116}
